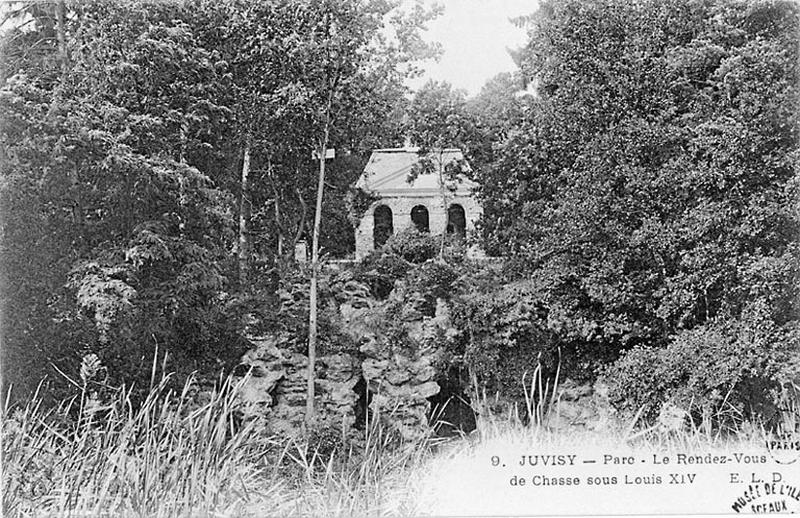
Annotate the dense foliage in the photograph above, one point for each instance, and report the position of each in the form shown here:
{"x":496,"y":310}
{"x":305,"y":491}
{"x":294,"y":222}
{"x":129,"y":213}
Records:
{"x":638,"y":175}
{"x":107,"y":222}
{"x":157,"y":168}
{"x":649,"y":193}
{"x":722,"y":372}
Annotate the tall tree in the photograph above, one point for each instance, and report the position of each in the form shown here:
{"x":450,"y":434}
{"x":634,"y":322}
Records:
{"x":345,"y":56}
{"x":169,"y":123}
{"x":648,"y":188}
{"x":106,"y":143}
{"x":253,"y":40}
{"x":495,"y":112}
{"x":437,"y":120}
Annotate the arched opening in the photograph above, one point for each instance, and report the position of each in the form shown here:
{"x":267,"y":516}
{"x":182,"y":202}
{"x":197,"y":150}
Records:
{"x":419,"y":216}
{"x":362,"y":408}
{"x":451,"y":411}
{"x":383,"y":226}
{"x":456,"y":220}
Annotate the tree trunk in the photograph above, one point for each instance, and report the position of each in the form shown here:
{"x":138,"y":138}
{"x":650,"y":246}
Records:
{"x":61,"y":35}
{"x":312,"y":317}
{"x":442,"y":191}
{"x":302,"y":223}
{"x":244,"y":220}
{"x":312,"y":314}
{"x":73,"y":174}
{"x":279,"y":226}
{"x":278,"y":216}
{"x":183,"y":138}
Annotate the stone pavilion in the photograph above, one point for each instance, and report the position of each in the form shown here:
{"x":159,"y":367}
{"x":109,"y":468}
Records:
{"x":404,"y":203}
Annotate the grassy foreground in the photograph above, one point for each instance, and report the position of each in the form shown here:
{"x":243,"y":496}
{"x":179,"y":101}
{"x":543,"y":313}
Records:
{"x":170,"y":458}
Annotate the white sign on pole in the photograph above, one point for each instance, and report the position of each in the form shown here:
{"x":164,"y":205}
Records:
{"x":329,"y":153}
{"x":300,"y":252}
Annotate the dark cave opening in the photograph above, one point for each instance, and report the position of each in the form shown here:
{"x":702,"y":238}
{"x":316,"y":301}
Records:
{"x":362,"y":410}
{"x":451,"y":412}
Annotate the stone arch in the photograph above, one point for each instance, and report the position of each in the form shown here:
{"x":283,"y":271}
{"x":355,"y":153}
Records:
{"x":383,"y":226}
{"x":420,"y":218}
{"x":456,"y":220}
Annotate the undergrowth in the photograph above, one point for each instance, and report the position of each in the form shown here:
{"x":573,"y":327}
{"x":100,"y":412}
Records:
{"x":178,"y":454}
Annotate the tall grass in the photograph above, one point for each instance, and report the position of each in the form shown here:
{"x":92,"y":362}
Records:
{"x":371,"y":476}
{"x":461,"y":479}
{"x":674,"y":429}
{"x":160,"y":458}
{"x":171,"y":456}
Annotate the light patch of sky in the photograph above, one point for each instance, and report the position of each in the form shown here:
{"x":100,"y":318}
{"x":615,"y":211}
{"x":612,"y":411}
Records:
{"x":475,"y":36}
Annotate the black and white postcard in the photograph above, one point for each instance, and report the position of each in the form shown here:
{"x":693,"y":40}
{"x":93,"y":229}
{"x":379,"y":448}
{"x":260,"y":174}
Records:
{"x":335,"y":258}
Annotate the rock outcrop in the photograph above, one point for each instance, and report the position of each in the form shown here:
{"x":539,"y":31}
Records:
{"x":400,"y":350}
{"x":400,"y":371}
{"x":582,"y":406}
{"x":275,"y":391}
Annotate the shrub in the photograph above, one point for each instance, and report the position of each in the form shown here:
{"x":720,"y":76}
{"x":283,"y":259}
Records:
{"x":504,"y":336}
{"x":722,"y":373}
{"x":433,"y":281}
{"x":413,"y":246}
{"x":380,"y":270}
{"x":455,"y":249}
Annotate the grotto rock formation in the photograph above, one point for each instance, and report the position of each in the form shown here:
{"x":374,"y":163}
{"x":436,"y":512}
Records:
{"x":275,"y":392}
{"x":396,"y":346}
{"x":402,"y":362}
